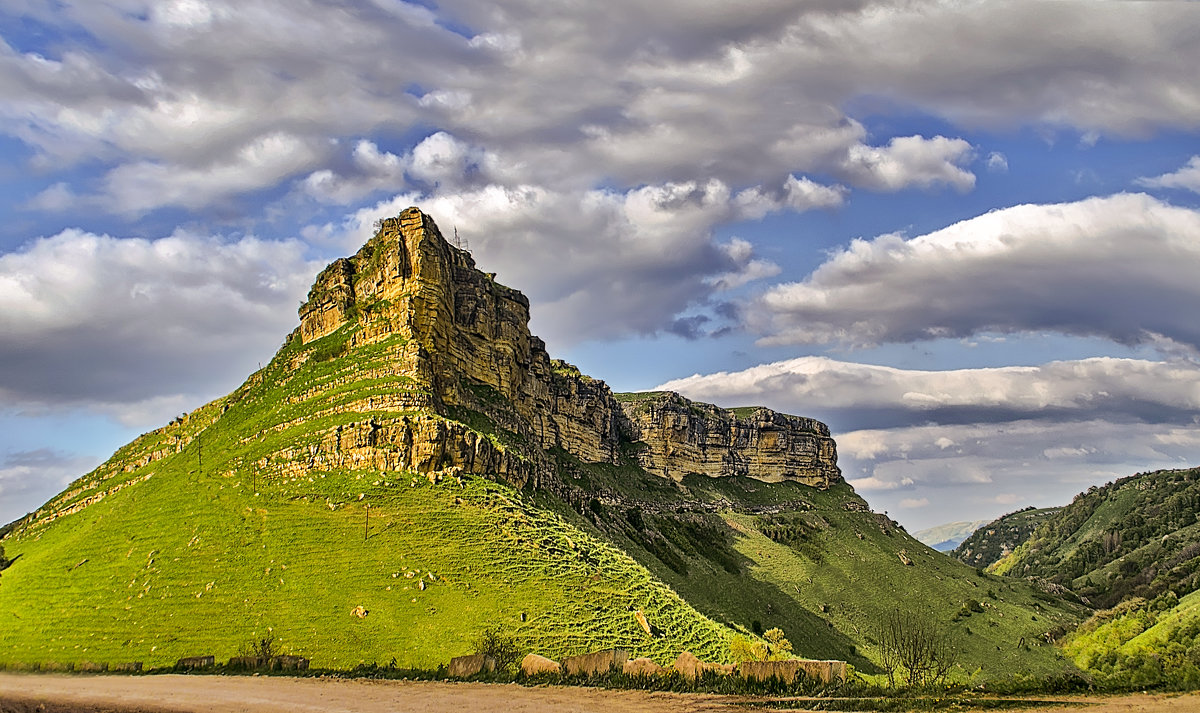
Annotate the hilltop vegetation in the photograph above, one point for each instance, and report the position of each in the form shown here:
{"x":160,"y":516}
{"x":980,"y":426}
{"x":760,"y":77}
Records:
{"x":992,"y":541}
{"x":1136,"y":537}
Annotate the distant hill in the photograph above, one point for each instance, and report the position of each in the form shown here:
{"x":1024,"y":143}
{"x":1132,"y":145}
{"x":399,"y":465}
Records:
{"x":995,"y":539}
{"x":1136,"y":537}
{"x":412,"y":467}
{"x":945,"y":538}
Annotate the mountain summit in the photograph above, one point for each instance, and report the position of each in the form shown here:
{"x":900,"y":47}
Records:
{"x":412,"y":468}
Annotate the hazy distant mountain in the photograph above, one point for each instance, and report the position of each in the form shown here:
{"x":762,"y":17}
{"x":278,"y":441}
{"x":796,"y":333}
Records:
{"x":946,"y":537}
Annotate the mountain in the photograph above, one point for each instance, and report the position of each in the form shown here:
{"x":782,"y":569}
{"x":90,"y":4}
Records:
{"x":412,"y":467}
{"x":996,"y":539}
{"x":1135,"y":537}
{"x":946,"y":537}
{"x":1131,"y":548}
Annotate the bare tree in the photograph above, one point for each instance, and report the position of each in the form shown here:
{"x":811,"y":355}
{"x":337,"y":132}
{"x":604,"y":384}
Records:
{"x":915,"y":647}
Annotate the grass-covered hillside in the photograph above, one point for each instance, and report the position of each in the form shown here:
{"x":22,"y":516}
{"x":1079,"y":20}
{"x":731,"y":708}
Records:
{"x":204,"y":535}
{"x":1135,"y":537}
{"x":816,"y":563}
{"x":192,"y":540}
{"x":991,"y":541}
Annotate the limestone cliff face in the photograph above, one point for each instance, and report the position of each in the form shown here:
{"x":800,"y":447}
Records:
{"x":682,"y":437}
{"x":468,"y":338}
{"x":467,"y":350}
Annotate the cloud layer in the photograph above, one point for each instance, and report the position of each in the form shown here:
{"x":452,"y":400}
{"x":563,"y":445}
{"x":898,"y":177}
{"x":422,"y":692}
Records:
{"x":106,"y":322}
{"x":1120,"y":267}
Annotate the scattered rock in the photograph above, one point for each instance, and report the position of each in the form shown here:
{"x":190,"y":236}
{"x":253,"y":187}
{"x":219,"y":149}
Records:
{"x":904,"y":558}
{"x":643,"y":667}
{"x":359,"y":612}
{"x":641,"y":619}
{"x":534,"y":664}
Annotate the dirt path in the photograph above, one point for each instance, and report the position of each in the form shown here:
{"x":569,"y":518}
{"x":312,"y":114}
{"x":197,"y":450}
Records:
{"x":22,"y":693}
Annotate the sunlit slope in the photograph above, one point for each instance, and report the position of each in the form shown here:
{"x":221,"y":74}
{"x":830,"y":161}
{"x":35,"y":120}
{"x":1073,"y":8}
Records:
{"x":1135,"y":537}
{"x":823,"y":567}
{"x":207,"y":537}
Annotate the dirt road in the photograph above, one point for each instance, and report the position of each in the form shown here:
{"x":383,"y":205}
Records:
{"x":22,"y":693}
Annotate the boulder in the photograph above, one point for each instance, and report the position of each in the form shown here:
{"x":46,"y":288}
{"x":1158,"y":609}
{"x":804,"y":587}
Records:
{"x":467,"y":666}
{"x":688,"y":666}
{"x":533,"y":665}
{"x":190,"y":663}
{"x":643,"y":667}
{"x":289,"y":663}
{"x":245,"y":663}
{"x":598,"y":662}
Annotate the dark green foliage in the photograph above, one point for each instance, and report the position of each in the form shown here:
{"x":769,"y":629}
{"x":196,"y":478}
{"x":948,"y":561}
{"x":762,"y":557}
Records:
{"x":500,"y":645}
{"x":995,"y":539}
{"x":1135,"y":537}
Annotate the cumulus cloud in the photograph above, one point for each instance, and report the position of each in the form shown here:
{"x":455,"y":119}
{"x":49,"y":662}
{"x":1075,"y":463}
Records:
{"x":624,"y":93}
{"x":116,"y":324}
{"x":1120,"y":267}
{"x":1186,"y":178}
{"x":910,"y":161}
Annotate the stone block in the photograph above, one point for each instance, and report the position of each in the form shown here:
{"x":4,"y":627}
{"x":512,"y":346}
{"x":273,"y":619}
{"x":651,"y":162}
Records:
{"x":289,"y":663}
{"x":467,"y":666}
{"x":643,"y":667}
{"x":191,"y":663}
{"x":128,"y":667}
{"x":599,"y":662}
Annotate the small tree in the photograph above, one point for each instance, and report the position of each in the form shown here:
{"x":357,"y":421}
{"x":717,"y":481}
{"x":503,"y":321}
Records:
{"x":778,"y":647}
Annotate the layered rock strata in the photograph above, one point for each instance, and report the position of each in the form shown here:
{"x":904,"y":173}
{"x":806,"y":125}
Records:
{"x":681,"y":437}
{"x":467,"y":346}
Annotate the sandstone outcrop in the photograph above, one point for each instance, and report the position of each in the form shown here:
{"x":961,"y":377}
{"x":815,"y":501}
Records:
{"x":468,"y":347}
{"x":682,"y":437}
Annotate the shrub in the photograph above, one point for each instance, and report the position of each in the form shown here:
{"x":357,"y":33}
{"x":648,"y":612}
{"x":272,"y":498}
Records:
{"x":499,"y":645}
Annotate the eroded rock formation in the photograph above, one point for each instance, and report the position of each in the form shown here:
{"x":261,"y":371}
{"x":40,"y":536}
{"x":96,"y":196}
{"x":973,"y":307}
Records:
{"x":467,"y":351}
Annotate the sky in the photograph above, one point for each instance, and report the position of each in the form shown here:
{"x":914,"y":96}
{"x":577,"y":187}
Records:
{"x":964,"y":234}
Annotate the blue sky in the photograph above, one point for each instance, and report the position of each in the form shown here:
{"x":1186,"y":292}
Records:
{"x":964,"y":234}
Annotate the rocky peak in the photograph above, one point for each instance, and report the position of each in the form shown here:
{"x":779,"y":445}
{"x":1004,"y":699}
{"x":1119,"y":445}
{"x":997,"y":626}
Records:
{"x":467,"y":346}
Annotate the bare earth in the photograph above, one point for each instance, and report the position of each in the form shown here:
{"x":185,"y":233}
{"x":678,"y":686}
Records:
{"x":21,"y":693}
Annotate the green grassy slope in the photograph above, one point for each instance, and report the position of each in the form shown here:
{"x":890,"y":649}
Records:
{"x":1136,"y":537}
{"x":817,"y":564}
{"x":198,"y":537}
{"x":1140,"y":644}
{"x":996,"y":539}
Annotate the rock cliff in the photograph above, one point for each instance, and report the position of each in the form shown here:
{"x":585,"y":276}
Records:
{"x":468,"y":352}
{"x":679,"y":437}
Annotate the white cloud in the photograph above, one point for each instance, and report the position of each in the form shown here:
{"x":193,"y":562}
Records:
{"x":910,"y":161}
{"x":111,"y":323}
{"x":1120,"y":267}
{"x":1187,"y":178}
{"x":997,"y":162}
{"x":1082,"y":389}
{"x":143,"y":186}
{"x":623,"y":96}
